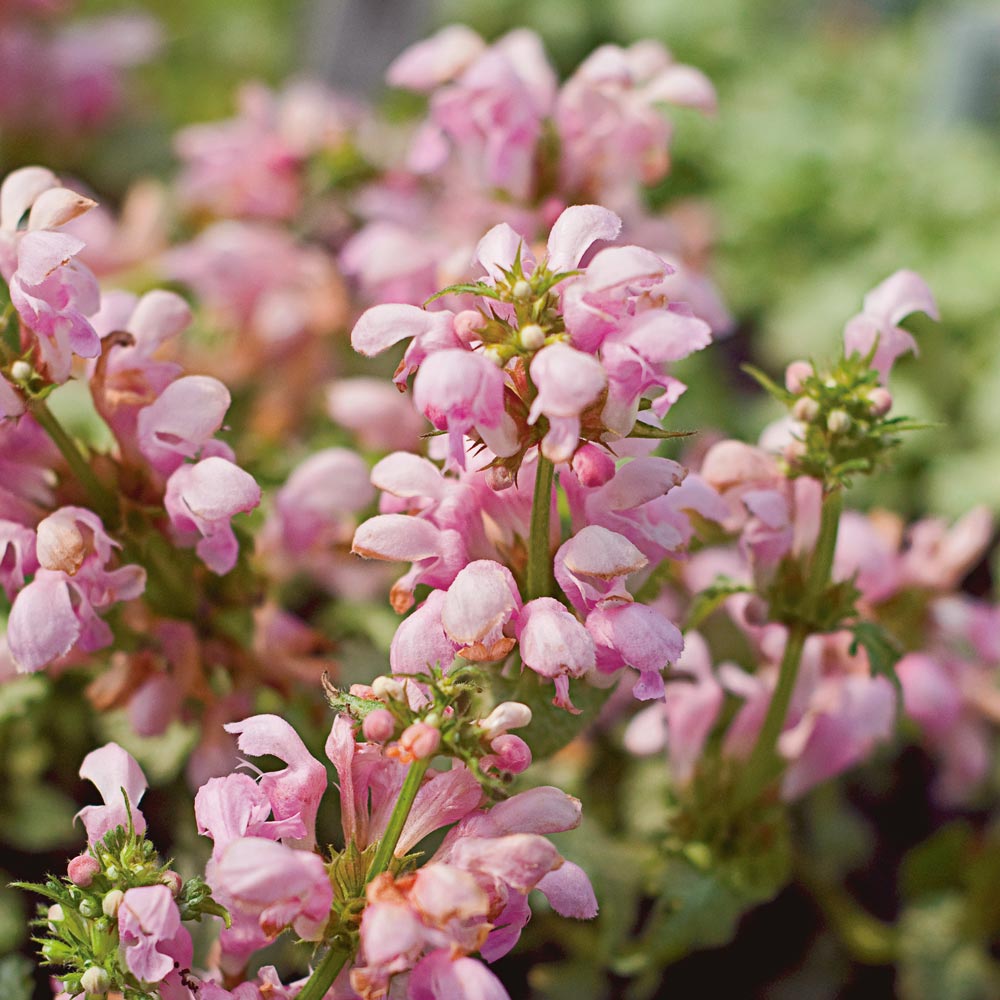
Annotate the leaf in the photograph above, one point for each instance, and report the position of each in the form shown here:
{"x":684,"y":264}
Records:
{"x":884,"y":652}
{"x":16,"y":978}
{"x":551,"y":727}
{"x":466,"y":288}
{"x":707,"y":600}
{"x":649,"y":431}
{"x":768,"y":384}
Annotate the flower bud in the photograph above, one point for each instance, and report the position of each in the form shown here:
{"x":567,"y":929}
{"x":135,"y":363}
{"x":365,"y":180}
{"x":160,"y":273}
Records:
{"x":173,"y":882}
{"x":361,"y":691}
{"x":880,"y":400}
{"x":495,"y":354}
{"x":838,"y":422}
{"x":805,"y":409}
{"x":521,"y":289}
{"x":20,"y":371}
{"x":593,"y":466}
{"x":95,"y":981}
{"x":82,"y":869}
{"x":55,"y":914}
{"x":468,"y":325}
{"x":89,"y":907}
{"x":755,"y":611}
{"x":499,"y":478}
{"x":532,"y":337}
{"x":378,"y":725}
{"x":420,"y":741}
{"x":507,"y":715}
{"x":796,"y":373}
{"x":112,"y":901}
{"x":388,"y":689}
{"x":512,"y":754}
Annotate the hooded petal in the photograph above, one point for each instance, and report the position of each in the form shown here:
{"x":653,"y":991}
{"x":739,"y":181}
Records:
{"x":576,"y":230}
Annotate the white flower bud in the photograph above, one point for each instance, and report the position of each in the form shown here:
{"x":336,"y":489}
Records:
{"x":532,"y":337}
{"x":507,"y":715}
{"x":112,"y":901}
{"x":55,"y":914}
{"x":95,"y":981}
{"x":521,"y":289}
{"x":495,"y":355}
{"x":20,"y":371}
{"x":388,"y":689}
{"x":805,"y":409}
{"x":838,"y":422}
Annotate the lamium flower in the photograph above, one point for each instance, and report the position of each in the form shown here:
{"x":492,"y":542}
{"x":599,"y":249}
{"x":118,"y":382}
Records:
{"x":121,"y":783}
{"x":201,"y":500}
{"x":154,"y":942}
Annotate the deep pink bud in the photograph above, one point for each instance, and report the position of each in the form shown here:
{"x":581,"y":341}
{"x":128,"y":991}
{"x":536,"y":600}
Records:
{"x":379,"y":725}
{"x":82,"y":869}
{"x":512,"y":753}
{"x":881,"y":401}
{"x":593,"y":466}
{"x":419,"y":741}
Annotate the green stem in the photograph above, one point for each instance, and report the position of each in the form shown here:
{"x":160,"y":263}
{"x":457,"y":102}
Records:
{"x":103,"y":502}
{"x":763,"y":762}
{"x":336,"y":958}
{"x":400,"y":812}
{"x":324,"y":974}
{"x":538,"y":578}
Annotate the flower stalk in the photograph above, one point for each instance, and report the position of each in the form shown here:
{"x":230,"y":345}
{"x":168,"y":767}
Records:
{"x":538,"y":577}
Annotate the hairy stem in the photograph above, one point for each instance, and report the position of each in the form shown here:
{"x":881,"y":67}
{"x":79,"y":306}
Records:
{"x":102,"y":501}
{"x":337,"y":957}
{"x":763,"y":762}
{"x":400,"y":812}
{"x":324,"y":974}
{"x":538,"y":578}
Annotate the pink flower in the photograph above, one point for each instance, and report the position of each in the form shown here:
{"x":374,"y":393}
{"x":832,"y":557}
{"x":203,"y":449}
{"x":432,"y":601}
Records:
{"x":592,"y":566}
{"x":439,"y":975}
{"x":201,"y":500}
{"x":181,"y":421}
{"x":114,"y":772}
{"x":884,"y":308}
{"x":294,"y":791}
{"x":481,"y":601}
{"x":58,"y":609}
{"x":153,"y":939}
{"x":568,"y":381}
{"x":554,"y":644}
{"x":276,"y":884}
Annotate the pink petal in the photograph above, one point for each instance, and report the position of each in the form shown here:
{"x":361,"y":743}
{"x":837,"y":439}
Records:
{"x":569,"y":892}
{"x":19,"y":189}
{"x":437,"y":976}
{"x":42,"y":624}
{"x":576,"y":230}
{"x":384,"y":325}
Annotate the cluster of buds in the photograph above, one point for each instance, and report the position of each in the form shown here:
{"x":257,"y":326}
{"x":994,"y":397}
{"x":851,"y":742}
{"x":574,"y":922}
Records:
{"x":115,"y":919}
{"x":419,"y":716}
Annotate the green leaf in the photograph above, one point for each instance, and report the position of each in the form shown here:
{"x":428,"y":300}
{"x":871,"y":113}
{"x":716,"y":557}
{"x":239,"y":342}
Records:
{"x":641,"y":430}
{"x":15,"y":978}
{"x":551,"y":727}
{"x":883,"y":650}
{"x":466,"y":288}
{"x":768,"y":384}
{"x":707,"y":600}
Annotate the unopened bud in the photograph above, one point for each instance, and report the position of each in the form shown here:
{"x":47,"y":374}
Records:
{"x":95,"y":980}
{"x":379,"y":725}
{"x":521,"y":289}
{"x":796,"y":373}
{"x":495,"y":354}
{"x":511,"y":753}
{"x":506,"y":715}
{"x":89,"y":907}
{"x":20,"y":371}
{"x":532,"y":337}
{"x":805,"y":409}
{"x":388,"y":689}
{"x":880,"y":400}
{"x":112,"y":901}
{"x":82,"y":869}
{"x":420,"y":741}
{"x":838,"y":422}
{"x":499,"y":478}
{"x":173,"y":882}
{"x":55,"y":914}
{"x":468,"y":325}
